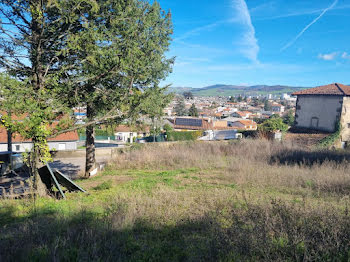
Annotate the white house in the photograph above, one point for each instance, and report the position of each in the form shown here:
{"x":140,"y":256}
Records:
{"x":66,"y":141}
{"x":277,"y":108}
{"x":128,"y":134}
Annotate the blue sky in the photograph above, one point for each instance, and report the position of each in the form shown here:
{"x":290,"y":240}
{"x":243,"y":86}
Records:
{"x":247,"y":42}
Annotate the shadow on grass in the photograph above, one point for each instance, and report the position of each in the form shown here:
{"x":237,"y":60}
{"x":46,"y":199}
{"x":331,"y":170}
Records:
{"x":309,"y":158}
{"x":252,"y":233}
{"x":86,"y":238}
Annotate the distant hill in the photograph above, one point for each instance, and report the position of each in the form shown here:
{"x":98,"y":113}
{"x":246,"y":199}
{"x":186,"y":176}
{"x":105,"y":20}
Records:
{"x":231,"y":90}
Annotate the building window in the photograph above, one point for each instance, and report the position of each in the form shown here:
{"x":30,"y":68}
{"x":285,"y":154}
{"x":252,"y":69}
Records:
{"x":18,"y":147}
{"x":348,"y":125}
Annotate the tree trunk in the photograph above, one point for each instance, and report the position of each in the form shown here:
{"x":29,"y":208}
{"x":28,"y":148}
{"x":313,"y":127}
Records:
{"x":154,"y":130}
{"x":90,"y":163}
{"x":9,"y":146}
{"x":9,"y":141}
{"x":38,"y":187}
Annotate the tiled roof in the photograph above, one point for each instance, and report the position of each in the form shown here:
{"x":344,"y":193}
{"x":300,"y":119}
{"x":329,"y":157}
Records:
{"x":247,"y":122}
{"x":205,"y":125}
{"x":126,"y":128}
{"x":69,"y":136}
{"x":332,"y":89}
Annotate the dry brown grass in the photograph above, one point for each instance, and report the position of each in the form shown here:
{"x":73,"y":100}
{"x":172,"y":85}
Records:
{"x":250,"y":161}
{"x":222,"y":201}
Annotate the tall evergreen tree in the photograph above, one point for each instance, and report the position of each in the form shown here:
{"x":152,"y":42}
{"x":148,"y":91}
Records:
{"x":96,"y":53}
{"x":193,"y":111}
{"x":121,"y":52}
{"x":180,"y":108}
{"x":33,"y":49}
{"x":267,"y":105}
{"x":188,"y":95}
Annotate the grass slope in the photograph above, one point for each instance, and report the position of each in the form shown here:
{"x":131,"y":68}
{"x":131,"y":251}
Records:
{"x":242,"y":201}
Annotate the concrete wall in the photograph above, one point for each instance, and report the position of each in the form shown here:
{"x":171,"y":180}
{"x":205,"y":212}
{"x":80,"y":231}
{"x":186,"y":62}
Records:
{"x":23,"y":147}
{"x":318,"y":112}
{"x":100,"y":152}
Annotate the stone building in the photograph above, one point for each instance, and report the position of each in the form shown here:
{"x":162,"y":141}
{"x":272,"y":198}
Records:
{"x":321,"y":108}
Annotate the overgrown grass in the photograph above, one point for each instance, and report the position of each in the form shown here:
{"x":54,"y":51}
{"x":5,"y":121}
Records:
{"x":220,"y":201}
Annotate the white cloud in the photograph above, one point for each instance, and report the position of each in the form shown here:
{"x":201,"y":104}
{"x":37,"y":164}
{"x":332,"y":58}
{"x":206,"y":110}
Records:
{"x":345,"y":55}
{"x":309,"y":25}
{"x":197,"y":30}
{"x":300,"y":13}
{"x":328,"y":57}
{"x":249,"y":45}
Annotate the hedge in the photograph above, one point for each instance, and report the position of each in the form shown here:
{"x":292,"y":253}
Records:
{"x":183,"y":135}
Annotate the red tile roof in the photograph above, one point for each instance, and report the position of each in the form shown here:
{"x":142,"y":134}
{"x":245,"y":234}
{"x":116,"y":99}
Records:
{"x":126,"y":128}
{"x":247,"y":122}
{"x":16,"y":138}
{"x":332,"y":89}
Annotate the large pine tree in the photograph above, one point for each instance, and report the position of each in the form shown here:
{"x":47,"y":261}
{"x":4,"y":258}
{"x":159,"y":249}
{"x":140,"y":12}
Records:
{"x":34,"y":50}
{"x":121,"y":52}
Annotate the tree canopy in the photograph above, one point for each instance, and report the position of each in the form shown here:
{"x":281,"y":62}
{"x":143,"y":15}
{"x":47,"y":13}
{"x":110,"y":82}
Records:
{"x":193,"y":111}
{"x":95,"y":53}
{"x":180,"y":108}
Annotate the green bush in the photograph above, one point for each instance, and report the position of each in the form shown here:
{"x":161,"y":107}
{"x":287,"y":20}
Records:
{"x":183,"y":135}
{"x":273,"y":124}
{"x":168,"y":128}
{"x":331,"y":139}
{"x":104,"y":186}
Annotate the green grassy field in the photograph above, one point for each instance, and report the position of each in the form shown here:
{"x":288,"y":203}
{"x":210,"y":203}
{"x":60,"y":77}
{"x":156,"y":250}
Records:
{"x":239,"y":201}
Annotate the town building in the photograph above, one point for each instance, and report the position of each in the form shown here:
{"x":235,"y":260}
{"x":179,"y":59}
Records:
{"x":277,"y":108}
{"x":243,"y":124}
{"x":241,"y":114}
{"x":322,"y":108}
{"x":65,"y":141}
{"x":192,"y":123}
{"x":129,"y":134}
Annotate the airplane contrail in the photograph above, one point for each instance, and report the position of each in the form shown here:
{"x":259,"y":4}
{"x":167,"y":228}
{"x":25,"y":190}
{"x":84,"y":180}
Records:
{"x":309,"y":25}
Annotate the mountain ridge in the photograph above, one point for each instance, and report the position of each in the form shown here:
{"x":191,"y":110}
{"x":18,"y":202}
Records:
{"x":232,"y":90}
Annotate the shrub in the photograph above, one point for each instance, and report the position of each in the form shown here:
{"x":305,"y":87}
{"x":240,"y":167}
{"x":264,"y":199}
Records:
{"x":183,"y":135}
{"x":331,"y":139}
{"x":273,"y":124}
{"x":168,"y":128}
{"x":105,"y":185}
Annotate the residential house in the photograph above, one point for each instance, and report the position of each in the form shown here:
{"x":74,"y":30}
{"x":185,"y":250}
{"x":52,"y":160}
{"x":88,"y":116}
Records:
{"x":192,"y":123}
{"x":277,"y":108}
{"x":243,"y":124}
{"x":65,"y":141}
{"x":322,"y":108}
{"x":241,"y":114}
{"x":128,"y":134}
